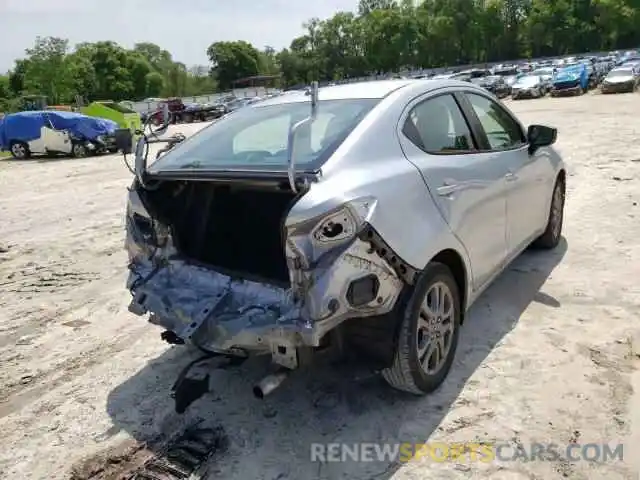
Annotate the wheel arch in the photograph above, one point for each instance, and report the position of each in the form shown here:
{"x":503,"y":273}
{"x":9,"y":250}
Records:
{"x":454,"y":261}
{"x":562,"y":177}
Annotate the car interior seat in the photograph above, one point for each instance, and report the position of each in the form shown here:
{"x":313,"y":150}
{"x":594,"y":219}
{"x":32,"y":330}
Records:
{"x":433,"y":121}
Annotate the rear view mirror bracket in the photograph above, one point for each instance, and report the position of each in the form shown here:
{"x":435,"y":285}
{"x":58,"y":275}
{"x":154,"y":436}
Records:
{"x":124,"y":141}
{"x":291,"y":161}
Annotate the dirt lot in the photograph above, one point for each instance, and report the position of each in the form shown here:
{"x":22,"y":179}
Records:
{"x":548,"y":354}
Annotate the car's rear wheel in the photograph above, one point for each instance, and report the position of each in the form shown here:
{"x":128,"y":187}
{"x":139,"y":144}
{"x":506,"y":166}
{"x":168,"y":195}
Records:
{"x":428,"y":335}
{"x":553,"y":232}
{"x":79,"y":150}
{"x":20,"y":150}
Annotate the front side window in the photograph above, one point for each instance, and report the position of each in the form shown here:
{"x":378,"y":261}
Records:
{"x":502,"y":131}
{"x":256,"y":138}
{"x":438,"y":126}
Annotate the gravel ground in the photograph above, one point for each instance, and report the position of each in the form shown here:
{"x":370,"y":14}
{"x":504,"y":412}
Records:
{"x":549,"y":354}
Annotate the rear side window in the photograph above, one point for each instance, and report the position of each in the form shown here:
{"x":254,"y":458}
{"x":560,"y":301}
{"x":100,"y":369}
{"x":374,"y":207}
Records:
{"x":503,"y":132}
{"x":438,"y":126}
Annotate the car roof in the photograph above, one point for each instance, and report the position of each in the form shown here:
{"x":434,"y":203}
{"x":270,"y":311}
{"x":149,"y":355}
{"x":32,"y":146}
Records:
{"x":373,"y":89}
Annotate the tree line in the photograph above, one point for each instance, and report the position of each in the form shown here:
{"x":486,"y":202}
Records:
{"x":98,"y":71}
{"x":383,"y":36}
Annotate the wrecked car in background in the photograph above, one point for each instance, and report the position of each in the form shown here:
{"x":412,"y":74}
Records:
{"x":546,"y":75}
{"x":570,"y":80}
{"x":339,"y":219}
{"x":621,"y":79}
{"x":44,"y":132}
{"x":494,"y":84}
{"x":529,"y":86}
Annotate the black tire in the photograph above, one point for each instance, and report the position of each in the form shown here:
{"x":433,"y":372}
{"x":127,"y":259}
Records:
{"x":407,"y":372}
{"x":20,"y":150}
{"x":78,"y":150}
{"x":553,"y":232}
{"x":187,"y":118}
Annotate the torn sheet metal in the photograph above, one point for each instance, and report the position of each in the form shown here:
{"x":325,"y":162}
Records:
{"x":212,"y":309}
{"x":224,"y":314}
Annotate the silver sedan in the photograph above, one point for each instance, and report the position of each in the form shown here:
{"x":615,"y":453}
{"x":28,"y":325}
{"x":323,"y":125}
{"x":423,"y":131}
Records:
{"x":371,"y":215}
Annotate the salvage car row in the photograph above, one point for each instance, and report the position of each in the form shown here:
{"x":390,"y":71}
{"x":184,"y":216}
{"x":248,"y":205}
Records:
{"x":188,"y":112}
{"x":617,"y":72}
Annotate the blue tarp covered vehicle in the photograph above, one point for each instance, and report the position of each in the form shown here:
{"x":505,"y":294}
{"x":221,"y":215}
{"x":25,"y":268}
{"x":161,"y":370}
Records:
{"x":54,"y":132}
{"x":570,"y":80}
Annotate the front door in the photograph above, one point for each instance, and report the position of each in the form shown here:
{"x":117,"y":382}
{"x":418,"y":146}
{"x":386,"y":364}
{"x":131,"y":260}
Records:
{"x":467,"y":186}
{"x":55,"y":140}
{"x":526,"y":190}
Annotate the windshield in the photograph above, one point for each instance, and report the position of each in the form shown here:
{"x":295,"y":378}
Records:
{"x":544,"y":71}
{"x":528,"y":80}
{"x":256,"y":138}
{"x":620,"y":73}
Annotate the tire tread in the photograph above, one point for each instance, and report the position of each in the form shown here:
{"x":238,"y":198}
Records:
{"x":400,"y":375}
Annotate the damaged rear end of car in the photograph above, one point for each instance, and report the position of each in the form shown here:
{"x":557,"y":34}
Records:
{"x":229,"y":276}
{"x":217,"y":259}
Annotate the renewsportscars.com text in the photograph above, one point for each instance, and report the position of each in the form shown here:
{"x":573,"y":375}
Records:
{"x":466,"y":452}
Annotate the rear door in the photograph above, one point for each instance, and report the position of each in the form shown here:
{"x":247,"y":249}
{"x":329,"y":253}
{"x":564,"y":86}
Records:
{"x":526,"y":187}
{"x":468,"y":186}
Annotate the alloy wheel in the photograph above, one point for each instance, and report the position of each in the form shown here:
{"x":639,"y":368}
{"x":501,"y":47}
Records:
{"x":436,"y":324}
{"x":79,"y":151}
{"x":18,"y":150}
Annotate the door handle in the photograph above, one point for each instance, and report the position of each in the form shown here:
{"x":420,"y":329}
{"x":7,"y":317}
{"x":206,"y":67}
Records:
{"x":447,"y":189}
{"x":511,"y":177}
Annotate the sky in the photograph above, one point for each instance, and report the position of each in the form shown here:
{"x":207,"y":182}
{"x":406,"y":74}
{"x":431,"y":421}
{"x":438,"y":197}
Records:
{"x":185,"y":28}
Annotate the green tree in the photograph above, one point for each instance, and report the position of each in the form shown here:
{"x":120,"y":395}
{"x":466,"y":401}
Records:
{"x":46,"y":71}
{"x":155,"y":84}
{"x":384,"y":36}
{"x":17,"y":76}
{"x":232,"y":61}
{"x":367,"y":6}
{"x":157,"y":57}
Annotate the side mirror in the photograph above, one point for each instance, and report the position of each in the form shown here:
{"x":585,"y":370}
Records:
{"x":124,"y":140}
{"x":540,"y":136}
